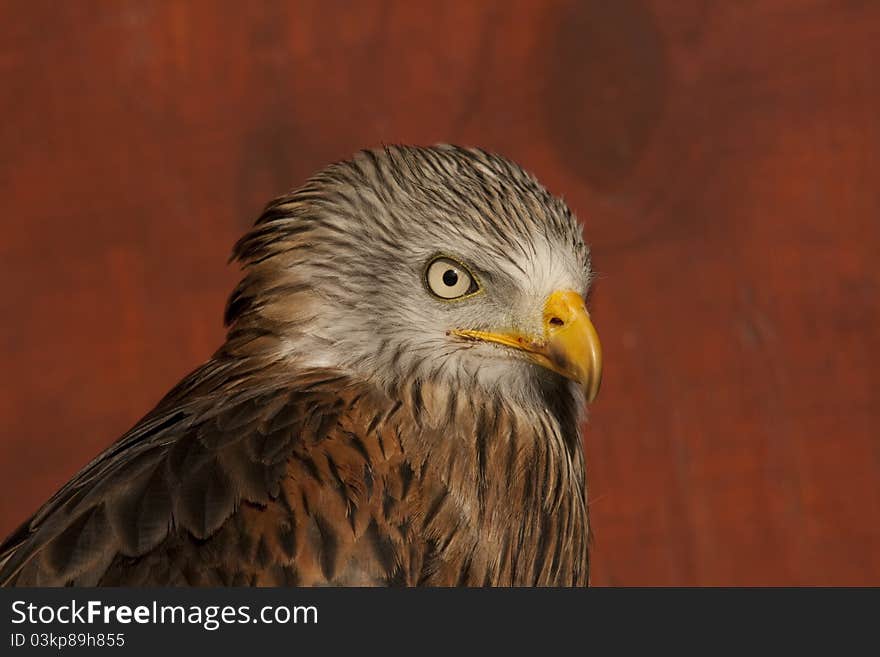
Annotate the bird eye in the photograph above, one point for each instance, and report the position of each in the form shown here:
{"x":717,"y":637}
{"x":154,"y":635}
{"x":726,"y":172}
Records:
{"x":449,"y":279}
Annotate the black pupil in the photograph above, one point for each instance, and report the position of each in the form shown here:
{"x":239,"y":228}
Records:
{"x":450,"y":277}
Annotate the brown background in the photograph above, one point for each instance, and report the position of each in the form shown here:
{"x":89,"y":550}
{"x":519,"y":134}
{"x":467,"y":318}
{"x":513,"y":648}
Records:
{"x":725,"y":158}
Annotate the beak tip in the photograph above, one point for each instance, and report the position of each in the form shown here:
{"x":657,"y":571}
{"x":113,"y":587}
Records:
{"x":592,"y":390}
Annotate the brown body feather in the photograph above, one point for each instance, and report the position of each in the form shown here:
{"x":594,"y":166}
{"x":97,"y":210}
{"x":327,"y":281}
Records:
{"x":238,"y":479}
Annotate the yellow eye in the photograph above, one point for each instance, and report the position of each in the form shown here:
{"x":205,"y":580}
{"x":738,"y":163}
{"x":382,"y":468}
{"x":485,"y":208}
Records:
{"x":449,"y":279}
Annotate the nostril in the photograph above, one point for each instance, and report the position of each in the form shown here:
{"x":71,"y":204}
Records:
{"x":555,"y":321}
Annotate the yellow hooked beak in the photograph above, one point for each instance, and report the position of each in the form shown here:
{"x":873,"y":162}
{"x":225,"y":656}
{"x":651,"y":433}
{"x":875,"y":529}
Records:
{"x":569,"y":346}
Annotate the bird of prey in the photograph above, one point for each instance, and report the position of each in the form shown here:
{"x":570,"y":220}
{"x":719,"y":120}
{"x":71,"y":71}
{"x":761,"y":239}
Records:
{"x":398,"y":401}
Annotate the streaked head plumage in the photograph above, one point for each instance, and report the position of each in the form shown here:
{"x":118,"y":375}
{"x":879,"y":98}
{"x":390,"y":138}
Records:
{"x":383,"y":265}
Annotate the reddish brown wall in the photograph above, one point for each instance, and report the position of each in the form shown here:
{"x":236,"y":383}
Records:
{"x":724,"y":158}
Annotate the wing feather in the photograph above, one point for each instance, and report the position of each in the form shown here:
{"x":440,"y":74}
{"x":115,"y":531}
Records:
{"x":220,"y":438}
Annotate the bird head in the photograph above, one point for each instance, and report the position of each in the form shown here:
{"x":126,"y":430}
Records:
{"x":437,"y":264}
